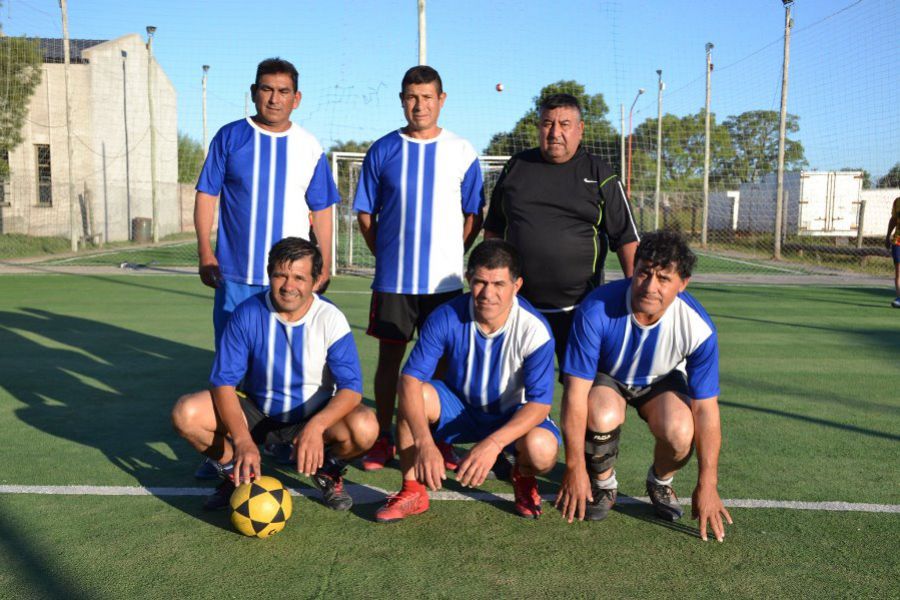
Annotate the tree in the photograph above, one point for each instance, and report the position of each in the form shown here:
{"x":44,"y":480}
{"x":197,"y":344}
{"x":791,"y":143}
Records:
{"x":891,"y":179}
{"x":754,"y":135}
{"x":866,"y":176}
{"x":599,"y":136}
{"x":190,"y":158}
{"x":346,"y":176}
{"x":20,"y":73}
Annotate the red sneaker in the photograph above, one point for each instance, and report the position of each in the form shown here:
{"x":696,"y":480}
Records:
{"x":404,"y":503}
{"x":451,"y":459}
{"x":379,"y":455}
{"x":528,"y":500}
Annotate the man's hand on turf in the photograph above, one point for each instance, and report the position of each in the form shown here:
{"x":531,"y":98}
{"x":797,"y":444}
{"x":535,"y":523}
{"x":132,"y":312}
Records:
{"x":247,"y":461}
{"x":429,"y":465}
{"x":209,"y":271}
{"x":310,"y":448}
{"x":474,"y":469}
{"x":707,"y":506}
{"x":574,"y":494}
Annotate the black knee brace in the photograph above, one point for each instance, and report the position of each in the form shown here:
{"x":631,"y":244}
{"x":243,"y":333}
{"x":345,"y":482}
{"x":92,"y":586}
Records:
{"x":601,"y":450}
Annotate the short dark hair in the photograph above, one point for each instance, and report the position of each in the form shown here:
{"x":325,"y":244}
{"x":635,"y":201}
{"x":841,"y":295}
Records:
{"x":292,"y":249}
{"x":665,"y":248}
{"x":422,"y":74}
{"x":495,"y":254}
{"x":560,"y":101}
{"x":270,"y":66}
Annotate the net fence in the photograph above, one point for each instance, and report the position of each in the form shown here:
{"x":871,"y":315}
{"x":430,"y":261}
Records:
{"x":135,"y":121}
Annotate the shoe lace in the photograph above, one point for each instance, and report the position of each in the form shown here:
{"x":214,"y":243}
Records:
{"x":663,"y":492}
{"x":401,"y":498}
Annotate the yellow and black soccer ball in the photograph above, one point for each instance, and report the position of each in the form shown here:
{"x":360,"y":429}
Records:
{"x":260,"y":508}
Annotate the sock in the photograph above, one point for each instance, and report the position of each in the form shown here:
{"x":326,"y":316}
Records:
{"x":606,"y":484}
{"x":412,"y":485}
{"x":652,"y":478}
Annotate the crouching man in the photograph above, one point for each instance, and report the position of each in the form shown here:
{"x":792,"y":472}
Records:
{"x":647,"y":343}
{"x":496,"y":392}
{"x":293,"y":355}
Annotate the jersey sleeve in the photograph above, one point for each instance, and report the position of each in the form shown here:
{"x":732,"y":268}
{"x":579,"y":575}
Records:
{"x":583,"y":347}
{"x":321,"y":192}
{"x":233,"y":353}
{"x":212,"y":176}
{"x":618,"y":222}
{"x":473,"y":189}
{"x":366,"y":199}
{"x":539,"y":380}
{"x":496,"y":219}
{"x":702,"y":366}
{"x":343,"y":362}
{"x":429,"y":349}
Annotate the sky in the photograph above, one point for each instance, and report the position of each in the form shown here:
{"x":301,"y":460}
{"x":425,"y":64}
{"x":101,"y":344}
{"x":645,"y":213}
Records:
{"x":351,"y":55}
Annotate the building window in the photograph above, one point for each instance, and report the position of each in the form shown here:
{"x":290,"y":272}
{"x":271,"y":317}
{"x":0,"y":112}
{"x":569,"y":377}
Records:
{"x":44,"y":182}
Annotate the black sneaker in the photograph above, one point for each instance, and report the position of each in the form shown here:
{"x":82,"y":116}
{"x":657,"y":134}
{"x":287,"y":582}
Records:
{"x":331,"y":482}
{"x":207,"y":470}
{"x":281,"y":451}
{"x":219,"y":498}
{"x":664,"y":501}
{"x":603,"y":502}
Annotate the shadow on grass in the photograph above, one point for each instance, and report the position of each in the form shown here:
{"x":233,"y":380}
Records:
{"x":643,"y":511}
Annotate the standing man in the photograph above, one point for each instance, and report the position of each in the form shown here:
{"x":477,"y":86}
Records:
{"x":419,"y":201}
{"x":497,"y":391}
{"x":648,"y":343}
{"x":293,"y":354}
{"x":894,"y":246}
{"x":274,"y":180}
{"x":561,"y":207}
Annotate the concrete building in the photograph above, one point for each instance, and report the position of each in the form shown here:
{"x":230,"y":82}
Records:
{"x":108,"y":83}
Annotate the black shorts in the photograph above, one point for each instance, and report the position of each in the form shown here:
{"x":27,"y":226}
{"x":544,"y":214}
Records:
{"x":560,"y":325}
{"x":638,"y":396}
{"x":395,"y":317}
{"x":264,"y":429}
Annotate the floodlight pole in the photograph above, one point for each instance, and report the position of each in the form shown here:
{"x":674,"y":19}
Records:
{"x":127,"y":149}
{"x":658,"y":149}
{"x":709,"y":68}
{"x":622,"y":142}
{"x":631,"y":135}
{"x":423,"y":42}
{"x":153,"y":187}
{"x":73,"y":207}
{"x":779,"y":186}
{"x":205,"y":71}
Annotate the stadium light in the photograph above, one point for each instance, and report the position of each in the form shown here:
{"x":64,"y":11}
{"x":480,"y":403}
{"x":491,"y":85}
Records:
{"x":205,"y":71}
{"x":659,"y":92}
{"x":630,"y":135}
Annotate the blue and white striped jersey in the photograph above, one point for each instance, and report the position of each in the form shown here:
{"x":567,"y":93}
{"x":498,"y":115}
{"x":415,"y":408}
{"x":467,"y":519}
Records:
{"x":606,"y":338}
{"x":269,"y":182}
{"x":290,"y":370}
{"x":492,"y":372}
{"x":418,"y":190}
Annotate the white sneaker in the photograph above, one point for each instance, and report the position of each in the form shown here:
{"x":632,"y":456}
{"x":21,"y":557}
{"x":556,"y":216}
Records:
{"x":896,"y":302}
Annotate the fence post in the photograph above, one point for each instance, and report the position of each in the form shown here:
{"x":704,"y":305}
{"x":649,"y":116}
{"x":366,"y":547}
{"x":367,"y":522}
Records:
{"x":860,"y":222}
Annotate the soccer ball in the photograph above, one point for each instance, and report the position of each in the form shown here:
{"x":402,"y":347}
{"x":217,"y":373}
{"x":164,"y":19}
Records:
{"x":260,"y":508}
{"x":499,"y":87}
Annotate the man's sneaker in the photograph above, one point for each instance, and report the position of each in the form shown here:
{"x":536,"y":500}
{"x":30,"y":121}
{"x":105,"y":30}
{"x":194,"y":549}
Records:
{"x":219,"y":498}
{"x":528,"y":500}
{"x":282,"y":452}
{"x":604,"y":500}
{"x":502,"y":469}
{"x":403,"y":504}
{"x":896,"y":302}
{"x":379,"y":455}
{"x":207,"y":470}
{"x":451,"y":459}
{"x":331,"y":483}
{"x":664,"y":501}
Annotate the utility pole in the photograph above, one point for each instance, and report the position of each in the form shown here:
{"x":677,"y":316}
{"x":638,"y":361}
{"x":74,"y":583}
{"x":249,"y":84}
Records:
{"x":205,"y":71}
{"x":423,"y":43}
{"x":631,"y":135}
{"x":709,"y":68}
{"x":153,"y":188}
{"x":662,"y":86}
{"x":779,"y":187}
{"x":73,"y":199}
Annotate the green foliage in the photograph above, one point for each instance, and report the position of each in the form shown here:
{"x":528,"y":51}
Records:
{"x":190,"y":158}
{"x":891,"y":178}
{"x":344,"y":174}
{"x":755,"y":137}
{"x":599,"y":135}
{"x":21,"y":72}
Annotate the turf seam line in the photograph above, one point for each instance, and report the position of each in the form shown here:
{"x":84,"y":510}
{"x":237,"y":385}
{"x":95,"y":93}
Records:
{"x":364,"y":494}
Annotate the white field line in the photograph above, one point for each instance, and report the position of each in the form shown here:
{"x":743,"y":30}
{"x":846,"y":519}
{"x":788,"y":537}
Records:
{"x":364,"y":494}
{"x":749,"y":263}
